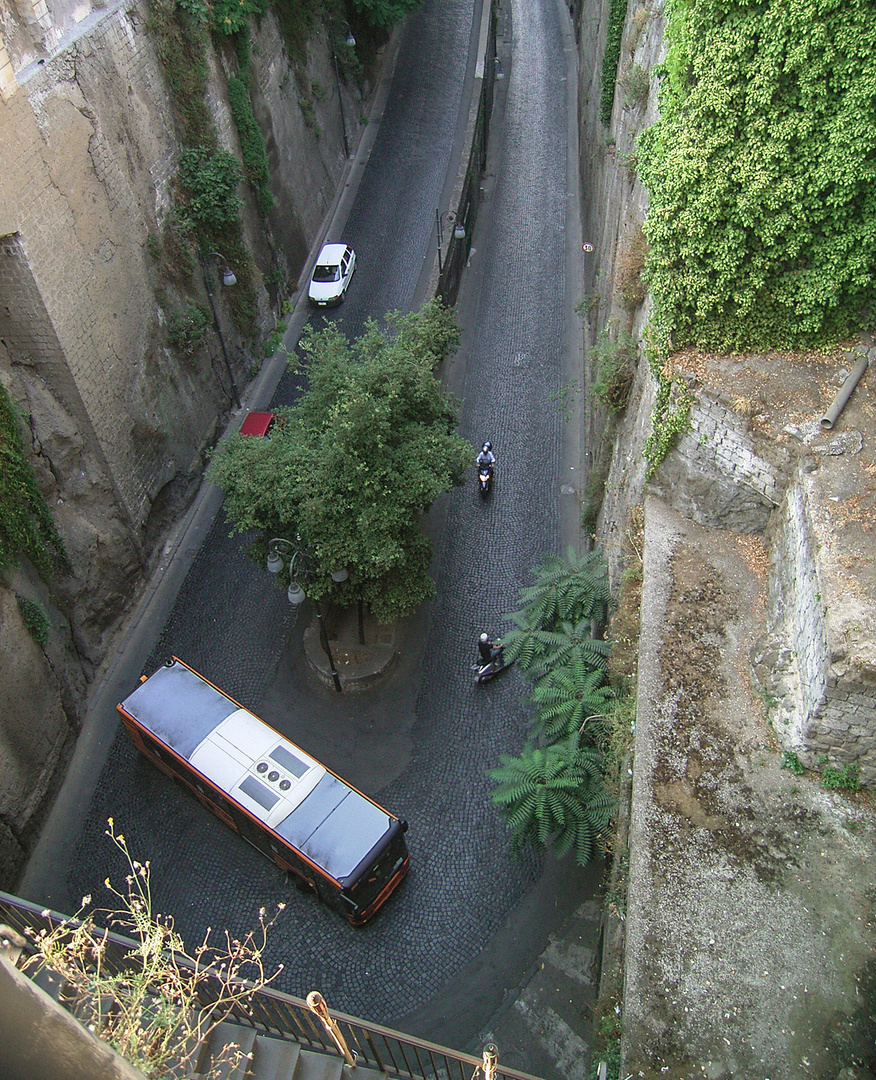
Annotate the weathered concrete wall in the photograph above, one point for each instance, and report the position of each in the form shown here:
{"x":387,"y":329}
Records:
{"x":33,"y":741}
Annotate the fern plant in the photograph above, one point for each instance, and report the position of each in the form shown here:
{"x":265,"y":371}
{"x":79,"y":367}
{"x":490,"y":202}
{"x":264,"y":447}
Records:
{"x":567,"y":696}
{"x":537,"y":650}
{"x":553,"y":795}
{"x":570,"y":587}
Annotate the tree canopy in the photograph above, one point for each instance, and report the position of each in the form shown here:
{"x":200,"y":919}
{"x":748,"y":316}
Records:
{"x":761,"y":173}
{"x":385,"y":12}
{"x":352,"y":465}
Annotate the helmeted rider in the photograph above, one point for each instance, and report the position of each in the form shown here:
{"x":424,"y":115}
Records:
{"x":486,"y":459}
{"x":489,"y":649}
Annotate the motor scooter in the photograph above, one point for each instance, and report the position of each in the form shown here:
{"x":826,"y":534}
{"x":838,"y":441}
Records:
{"x":486,"y":670}
{"x":485,"y":480}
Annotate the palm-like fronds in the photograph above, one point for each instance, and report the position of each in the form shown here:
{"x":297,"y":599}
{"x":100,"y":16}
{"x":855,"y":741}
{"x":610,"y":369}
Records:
{"x":553,"y":794}
{"x":567,"y":588}
{"x":566,"y":697}
{"x":537,"y":651}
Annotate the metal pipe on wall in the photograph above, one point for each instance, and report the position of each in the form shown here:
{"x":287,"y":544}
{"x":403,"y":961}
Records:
{"x":845,"y":392}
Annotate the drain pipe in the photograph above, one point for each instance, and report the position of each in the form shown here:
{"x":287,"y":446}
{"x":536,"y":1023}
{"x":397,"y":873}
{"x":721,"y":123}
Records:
{"x":845,"y":392}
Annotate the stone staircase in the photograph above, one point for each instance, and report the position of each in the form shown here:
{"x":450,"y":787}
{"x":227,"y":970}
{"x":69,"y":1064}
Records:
{"x":269,"y":1058}
{"x":264,"y":1034}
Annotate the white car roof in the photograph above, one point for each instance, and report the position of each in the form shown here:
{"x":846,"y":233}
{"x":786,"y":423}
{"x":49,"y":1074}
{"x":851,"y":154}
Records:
{"x":331,"y":254}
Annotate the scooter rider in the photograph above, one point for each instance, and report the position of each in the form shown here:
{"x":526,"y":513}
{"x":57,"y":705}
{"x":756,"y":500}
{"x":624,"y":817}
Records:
{"x":486,"y":459}
{"x":489,"y":650}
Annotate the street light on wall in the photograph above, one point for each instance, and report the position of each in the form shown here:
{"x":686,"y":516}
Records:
{"x":350,"y":42}
{"x":448,"y":218}
{"x":301,"y":570}
{"x":228,"y":279}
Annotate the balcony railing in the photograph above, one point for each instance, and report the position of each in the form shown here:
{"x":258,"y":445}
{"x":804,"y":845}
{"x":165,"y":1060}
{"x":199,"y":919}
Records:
{"x":287,"y":1017}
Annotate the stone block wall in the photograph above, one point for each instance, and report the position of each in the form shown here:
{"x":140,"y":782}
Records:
{"x":719,"y":473}
{"x":814,"y":662}
{"x":117,"y":424}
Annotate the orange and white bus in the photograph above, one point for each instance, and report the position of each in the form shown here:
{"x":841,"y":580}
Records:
{"x":341,"y":844}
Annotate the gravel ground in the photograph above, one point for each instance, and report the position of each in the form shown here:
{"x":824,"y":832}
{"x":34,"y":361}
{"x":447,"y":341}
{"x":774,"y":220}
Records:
{"x":750,"y":924}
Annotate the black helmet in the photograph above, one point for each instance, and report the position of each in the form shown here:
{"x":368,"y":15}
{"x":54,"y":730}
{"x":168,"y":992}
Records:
{"x":488,"y":445}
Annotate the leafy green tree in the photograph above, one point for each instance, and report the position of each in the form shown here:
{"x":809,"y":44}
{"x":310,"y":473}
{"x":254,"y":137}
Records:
{"x":351,"y":467}
{"x":555,"y":795}
{"x":567,"y":696}
{"x":385,"y":12}
{"x":760,"y":174}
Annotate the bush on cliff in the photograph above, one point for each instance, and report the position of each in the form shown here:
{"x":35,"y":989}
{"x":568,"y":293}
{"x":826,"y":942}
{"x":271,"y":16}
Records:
{"x":761,"y":174}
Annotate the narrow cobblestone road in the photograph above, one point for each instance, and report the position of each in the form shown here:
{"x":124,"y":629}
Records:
{"x":230,"y":624}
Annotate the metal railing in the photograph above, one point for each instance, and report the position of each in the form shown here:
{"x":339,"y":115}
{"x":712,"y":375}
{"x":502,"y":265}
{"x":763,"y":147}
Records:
{"x":291,"y":1018}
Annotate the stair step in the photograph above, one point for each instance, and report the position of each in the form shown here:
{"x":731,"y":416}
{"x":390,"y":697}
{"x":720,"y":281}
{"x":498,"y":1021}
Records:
{"x":273,"y":1059}
{"x":209,"y":1061}
{"x":312,"y":1066}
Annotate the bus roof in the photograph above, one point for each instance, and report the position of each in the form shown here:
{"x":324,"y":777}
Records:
{"x":269,"y":776}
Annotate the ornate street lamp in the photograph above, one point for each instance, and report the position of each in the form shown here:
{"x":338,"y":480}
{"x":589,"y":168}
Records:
{"x":350,"y":42}
{"x":448,"y":218}
{"x":228,"y":279}
{"x":300,"y":572}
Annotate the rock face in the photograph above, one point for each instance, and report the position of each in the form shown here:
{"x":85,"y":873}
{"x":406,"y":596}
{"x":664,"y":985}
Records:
{"x":34,"y":736}
{"x":116,"y":422}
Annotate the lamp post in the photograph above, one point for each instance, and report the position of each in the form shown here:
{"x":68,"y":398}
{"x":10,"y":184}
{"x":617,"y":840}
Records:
{"x":228,"y":279}
{"x":300,"y":569}
{"x":447,"y":218}
{"x":350,"y":42}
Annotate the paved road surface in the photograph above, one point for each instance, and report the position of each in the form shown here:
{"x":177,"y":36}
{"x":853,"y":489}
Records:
{"x":470,"y":921}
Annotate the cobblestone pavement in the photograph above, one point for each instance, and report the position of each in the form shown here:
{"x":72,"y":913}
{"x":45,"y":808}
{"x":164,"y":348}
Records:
{"x":232,"y":626}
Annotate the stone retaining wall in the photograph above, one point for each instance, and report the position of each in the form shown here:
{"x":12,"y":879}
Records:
{"x":719,"y":473}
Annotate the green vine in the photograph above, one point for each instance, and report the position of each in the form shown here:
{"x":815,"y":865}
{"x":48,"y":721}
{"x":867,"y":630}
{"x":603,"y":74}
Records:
{"x":759,"y":173}
{"x":252,"y":142}
{"x":670,"y":418}
{"x":617,"y":14}
{"x":26,"y":526}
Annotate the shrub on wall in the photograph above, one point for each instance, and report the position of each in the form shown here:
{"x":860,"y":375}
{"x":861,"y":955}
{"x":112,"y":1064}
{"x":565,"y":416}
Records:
{"x":209,"y":180}
{"x":34,"y":617}
{"x":182,"y":43}
{"x":617,"y":13}
{"x":761,"y":174}
{"x":186,"y":330}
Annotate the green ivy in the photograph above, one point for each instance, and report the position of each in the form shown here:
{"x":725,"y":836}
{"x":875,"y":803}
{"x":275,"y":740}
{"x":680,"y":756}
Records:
{"x":617,"y":13}
{"x":252,"y":142}
{"x":26,"y":526}
{"x":671,"y":416}
{"x":761,"y":174}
